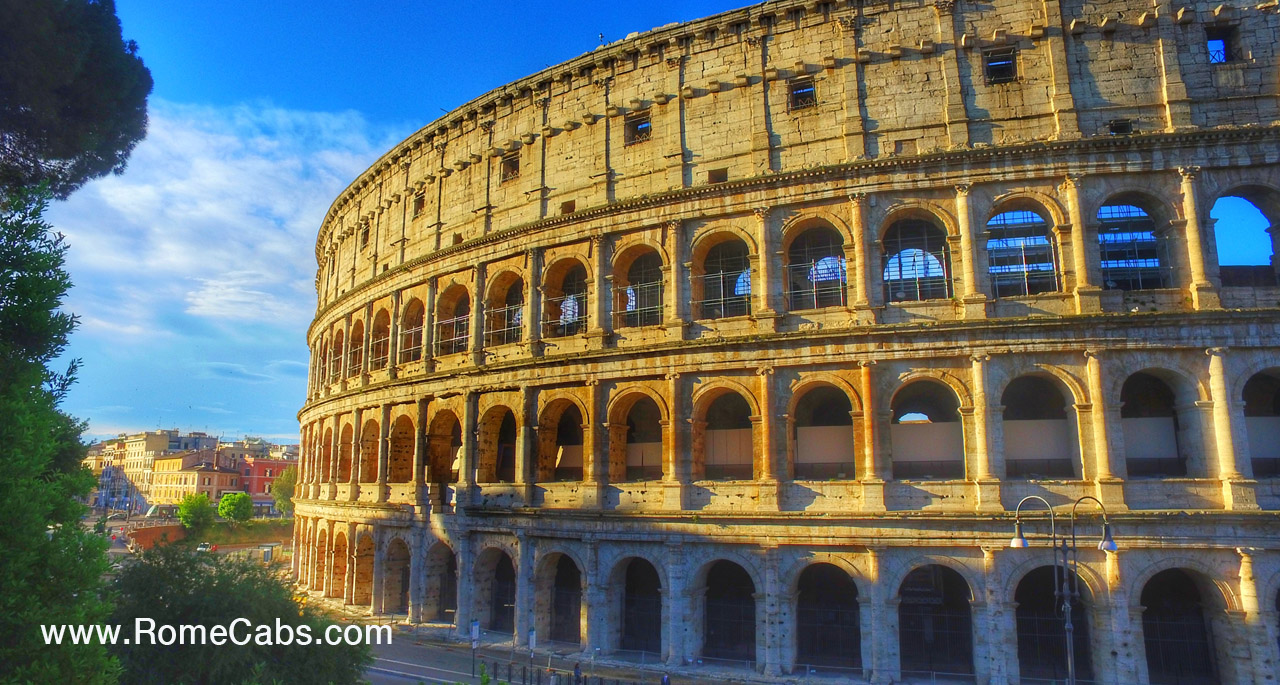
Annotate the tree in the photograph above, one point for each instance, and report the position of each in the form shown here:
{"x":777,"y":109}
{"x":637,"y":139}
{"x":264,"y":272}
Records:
{"x":73,"y":93}
{"x":236,"y":507}
{"x":282,"y":489}
{"x":173,"y":586}
{"x":50,"y":567}
{"x":195,"y":512}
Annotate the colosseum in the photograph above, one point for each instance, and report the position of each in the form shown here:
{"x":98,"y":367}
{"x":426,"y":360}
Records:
{"x":741,"y":344}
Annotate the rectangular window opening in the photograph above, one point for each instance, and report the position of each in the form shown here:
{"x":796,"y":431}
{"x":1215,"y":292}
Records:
{"x":510,"y":166}
{"x":568,"y":206}
{"x":637,"y":129}
{"x":801,"y":94}
{"x":1120,"y":127}
{"x":1220,"y":42}
{"x":717,"y":176}
{"x":1000,"y":66}
{"x":419,"y":203}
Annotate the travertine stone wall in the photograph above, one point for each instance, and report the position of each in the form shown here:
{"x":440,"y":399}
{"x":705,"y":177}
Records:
{"x":440,"y":430}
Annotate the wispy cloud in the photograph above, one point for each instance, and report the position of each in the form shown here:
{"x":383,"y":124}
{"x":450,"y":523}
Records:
{"x":198,"y":261}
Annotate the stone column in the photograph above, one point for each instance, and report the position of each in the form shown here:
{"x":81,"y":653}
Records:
{"x":862,"y":286}
{"x":854,"y":129}
{"x":379,"y":570}
{"x":596,"y":620}
{"x":477,"y":317}
{"x":674,"y":285}
{"x":1001,"y":640}
{"x":1234,"y":467}
{"x":527,"y":443}
{"x":1083,"y":243}
{"x":1254,"y":626}
{"x":393,"y":342}
{"x":356,"y":460}
{"x":420,"y":448}
{"x":973,"y":298}
{"x":595,"y":462}
{"x":880,"y":643}
{"x":366,"y":342}
{"x":467,"y":464}
{"x":384,"y":443}
{"x":335,"y":456}
{"x":988,"y":466}
{"x":765,"y":284}
{"x":346,"y":352}
{"x":349,"y":589}
{"x":675,"y":466}
{"x":532,"y":300}
{"x":429,"y":326}
{"x":417,"y":579}
{"x":599,"y":309}
{"x":524,"y":590}
{"x":1203,"y":293}
{"x":466,"y":575}
{"x":1108,"y":458}
{"x":1128,"y":657}
{"x":874,"y":467}
{"x":769,"y":469}
{"x":770,"y":627}
{"x":676,"y":609}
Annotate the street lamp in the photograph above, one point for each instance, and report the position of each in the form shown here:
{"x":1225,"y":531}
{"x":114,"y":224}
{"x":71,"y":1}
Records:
{"x":1065,"y":561}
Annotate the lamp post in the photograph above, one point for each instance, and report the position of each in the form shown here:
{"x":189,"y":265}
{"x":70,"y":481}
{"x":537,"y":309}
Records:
{"x":1065,"y":561}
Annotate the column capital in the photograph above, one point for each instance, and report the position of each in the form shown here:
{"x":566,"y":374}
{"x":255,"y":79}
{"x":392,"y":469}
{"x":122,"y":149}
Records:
{"x":962,"y":189}
{"x":979,"y":358}
{"x":1188,"y":172}
{"x":866,"y":363}
{"x":762,"y":213}
{"x":1073,"y":181}
{"x":848,"y":23}
{"x":858,"y":197}
{"x":765,"y":371}
{"x":1216,"y":351}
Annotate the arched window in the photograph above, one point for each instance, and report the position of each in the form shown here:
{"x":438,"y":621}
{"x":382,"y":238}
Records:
{"x":335,"y":359}
{"x":561,"y":460}
{"x":411,"y":332}
{"x":565,"y":310}
{"x":727,"y":444}
{"x":1150,"y":425}
{"x":1262,"y":423}
{"x":355,"y":355}
{"x":497,"y":607}
{"x":824,"y":445}
{"x":504,"y":318}
{"x":1042,"y":635}
{"x":380,"y":345}
{"x":1020,"y":254}
{"x":1133,"y":256}
{"x":926,"y":435}
{"x":725,"y":282}
{"x":917,"y":262}
{"x":638,"y":301}
{"x":565,"y":615}
{"x":935,"y":626}
{"x":400,"y":451}
{"x":644,"y":441}
{"x":828,"y":632}
{"x":1245,"y":238}
{"x":1174,"y":631}
{"x":395,"y":578}
{"x":641,"y":608}
{"x":1039,"y":438}
{"x":816,"y":270}
{"x":444,"y":445}
{"x":729,"y":616}
{"x":453,"y":321}
{"x":441,"y":600}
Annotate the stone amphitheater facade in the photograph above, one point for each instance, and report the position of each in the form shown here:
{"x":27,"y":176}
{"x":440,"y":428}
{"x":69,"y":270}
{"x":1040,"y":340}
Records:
{"x":739,"y":342}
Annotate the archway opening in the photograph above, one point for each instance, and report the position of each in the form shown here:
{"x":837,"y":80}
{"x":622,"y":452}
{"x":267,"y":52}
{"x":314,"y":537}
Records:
{"x":1020,"y":254}
{"x":400,"y":451}
{"x":496,"y":460}
{"x":363,"y":594}
{"x":828,"y":630}
{"x":369,"y":452}
{"x":444,"y":443}
{"x":395,"y":578}
{"x":320,"y":559}
{"x":566,"y":602}
{"x":453,"y":321}
{"x":380,"y":342}
{"x":504,"y":313}
{"x":568,"y":453}
{"x":917,"y":261}
{"x":1134,"y":255}
{"x":1243,"y":234}
{"x":722,"y":286}
{"x":816,"y":275}
{"x":565,"y":304}
{"x":638,"y":301}
{"x":1175,"y":631}
{"x":502,"y":596}
{"x":338,"y":585}
{"x":729,"y":626}
{"x":926,"y":434}
{"x":411,"y":331}
{"x":355,"y":355}
{"x":1042,"y":636}
{"x":1150,"y":425}
{"x":1262,"y":423}
{"x":441,"y":602}
{"x":344,"y":454}
{"x":641,"y":608}
{"x":824,"y":442}
{"x":326,"y":457}
{"x":935,"y":626}
{"x":644,"y":441}
{"x":335,"y":359}
{"x":1039,"y":434}
{"x":727,"y":449}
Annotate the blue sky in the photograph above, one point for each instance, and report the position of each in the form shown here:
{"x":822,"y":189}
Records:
{"x":194,"y":269}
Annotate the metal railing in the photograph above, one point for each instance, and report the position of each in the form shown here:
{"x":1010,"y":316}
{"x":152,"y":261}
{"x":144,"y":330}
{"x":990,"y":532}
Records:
{"x":941,"y":469}
{"x":637,"y":305}
{"x":724,"y":294}
{"x":567,"y":315}
{"x":452,"y":335}
{"x":504,"y":325}
{"x":379,"y":350}
{"x":816,"y":284}
{"x":354,"y":359}
{"x":411,"y":345}
{"x":1039,"y":468}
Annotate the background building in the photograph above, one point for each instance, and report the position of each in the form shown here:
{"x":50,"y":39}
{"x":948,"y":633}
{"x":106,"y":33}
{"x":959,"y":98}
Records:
{"x":739,"y":342}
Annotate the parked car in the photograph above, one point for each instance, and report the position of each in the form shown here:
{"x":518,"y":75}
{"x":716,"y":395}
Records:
{"x":205,"y":547}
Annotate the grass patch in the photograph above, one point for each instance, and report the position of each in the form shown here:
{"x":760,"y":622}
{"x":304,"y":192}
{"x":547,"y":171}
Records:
{"x":251,"y":532}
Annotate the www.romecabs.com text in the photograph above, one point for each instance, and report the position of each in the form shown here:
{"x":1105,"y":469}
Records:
{"x":241,"y":632}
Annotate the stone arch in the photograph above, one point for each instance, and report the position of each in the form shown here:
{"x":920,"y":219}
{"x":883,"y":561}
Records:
{"x":452,"y":333}
{"x":370,"y":436}
{"x":815,"y":379}
{"x":810,"y":218}
{"x":363,"y":558}
{"x":947,"y":378}
{"x":625,"y":396}
{"x":728,"y":610}
{"x":902,"y":569}
{"x":1196,"y":609}
{"x":721,"y":260}
{"x":935,"y":620}
{"x":1222,"y":597}
{"x":637,"y":590}
{"x":341,"y":557}
{"x":396,"y":569}
{"x":713,"y":235}
{"x":927,"y":430}
{"x":337,"y":349}
{"x":1040,"y":633}
{"x":999,"y":376}
{"x":1021,"y":244}
{"x":400,"y":446}
{"x":828,"y":625}
{"x":790,"y":574}
{"x":1123,"y":235}
{"x":1163,"y":435}
{"x":440,"y":601}
{"x":1026,"y":198}
{"x":494,"y":588}
{"x":1039,"y":428}
{"x":822,"y":435}
{"x":559,"y":459}
{"x":497,"y":442}
{"x":727,"y":451}
{"x":1093,"y":585}
{"x":914,"y":208}
{"x":380,"y":339}
{"x":560,"y":589}
{"x":320,"y":558}
{"x":566,"y":284}
{"x":626,"y":250}
{"x":634,"y":453}
{"x":344,"y":453}
{"x":326,"y":456}
{"x":355,"y":357}
{"x":1156,"y":204}
{"x":412,"y":322}
{"x":444,"y":440}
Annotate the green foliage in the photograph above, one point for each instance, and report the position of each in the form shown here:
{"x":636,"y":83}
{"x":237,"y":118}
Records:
{"x":282,"y":489}
{"x":73,"y":93}
{"x":236,"y":507}
{"x":172,"y":585}
{"x":195,"y":512}
{"x":50,"y":567}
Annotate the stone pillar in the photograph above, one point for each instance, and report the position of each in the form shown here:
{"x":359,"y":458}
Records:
{"x":1128,"y":655}
{"x":880,"y":643}
{"x":420,"y":447}
{"x":393,"y":342}
{"x":599,"y":308}
{"x":527,"y":443}
{"x":863,"y":287}
{"x":356,"y":460}
{"x":1234,"y":467}
{"x":674,"y":285}
{"x":676,"y":609}
{"x":346,"y":352}
{"x":765,"y":284}
{"x":1083,"y":243}
{"x":524,"y":590}
{"x":1203,"y":293}
{"x":477,"y":317}
{"x":1000,"y":629}
{"x":972,"y":296}
{"x":295,"y":558}
{"x":874,"y":467}
{"x":766,"y":424}
{"x":771,"y":627}
{"x":988,"y":468}
{"x":429,"y":326}
{"x":384,"y":443}
{"x":1254,"y":627}
{"x":365,"y":343}
{"x":1108,"y":457}
{"x":854,"y":128}
{"x":379,"y":571}
{"x":417,"y":575}
{"x":335,"y":456}
{"x":596,"y":620}
{"x":463,"y":615}
{"x":675,"y":465}
{"x":532,"y":300}
{"x":595,"y":446}
{"x":349,"y":590}
{"x":467,"y":464}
